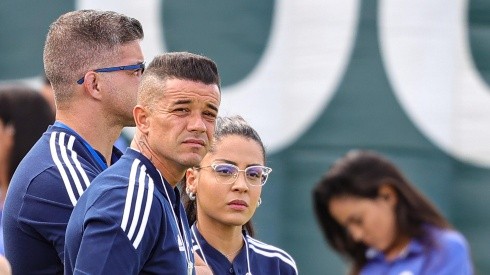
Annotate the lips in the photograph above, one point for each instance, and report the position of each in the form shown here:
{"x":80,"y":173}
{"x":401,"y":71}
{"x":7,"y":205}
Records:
{"x":195,"y":141}
{"x":238,"y":203}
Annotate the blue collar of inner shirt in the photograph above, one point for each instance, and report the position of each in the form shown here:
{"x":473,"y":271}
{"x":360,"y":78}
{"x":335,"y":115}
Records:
{"x":414,"y":247}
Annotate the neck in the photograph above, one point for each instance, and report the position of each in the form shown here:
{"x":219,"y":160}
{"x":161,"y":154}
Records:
{"x":100,"y":134}
{"x":4,"y":181}
{"x":396,"y":249}
{"x":228,"y":240}
{"x":3,"y":193}
{"x":173,"y":175}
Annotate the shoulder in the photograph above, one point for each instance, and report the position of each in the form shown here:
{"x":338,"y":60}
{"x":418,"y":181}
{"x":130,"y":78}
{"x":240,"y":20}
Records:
{"x":68,"y":151}
{"x":40,"y":189}
{"x":271,"y":253}
{"x":125,"y":181}
{"x":58,"y":157}
{"x":124,"y":192}
{"x":450,"y":253}
{"x":35,"y":162}
{"x":450,"y":241}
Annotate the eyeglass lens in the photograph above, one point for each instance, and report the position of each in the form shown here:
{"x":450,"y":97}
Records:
{"x":228,"y":173}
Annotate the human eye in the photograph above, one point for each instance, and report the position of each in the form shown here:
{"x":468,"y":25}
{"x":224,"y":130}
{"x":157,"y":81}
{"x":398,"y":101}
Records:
{"x":138,"y":72}
{"x":225,"y":170}
{"x":254,"y":172}
{"x":181,"y":111}
{"x":210,"y":115}
{"x":357,"y":220}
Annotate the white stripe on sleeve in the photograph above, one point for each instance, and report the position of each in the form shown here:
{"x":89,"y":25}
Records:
{"x":74,"y":157}
{"x":64,"y":176}
{"x":129,"y":195}
{"x":66,"y":161}
{"x":139,"y":199}
{"x":146,"y":214}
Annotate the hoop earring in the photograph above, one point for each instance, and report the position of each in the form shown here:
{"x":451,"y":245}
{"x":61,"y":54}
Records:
{"x":259,"y":202}
{"x":192,"y":195}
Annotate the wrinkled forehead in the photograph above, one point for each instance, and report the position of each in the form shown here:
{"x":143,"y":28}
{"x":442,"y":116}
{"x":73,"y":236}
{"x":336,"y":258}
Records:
{"x":154,"y":90}
{"x":181,"y":91}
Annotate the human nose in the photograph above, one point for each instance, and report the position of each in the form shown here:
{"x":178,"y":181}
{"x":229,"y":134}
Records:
{"x":197,"y":123}
{"x":240,"y":183}
{"x":356,"y":233}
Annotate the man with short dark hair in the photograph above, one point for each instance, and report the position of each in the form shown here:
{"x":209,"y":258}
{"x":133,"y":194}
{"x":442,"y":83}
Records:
{"x":130,"y":220}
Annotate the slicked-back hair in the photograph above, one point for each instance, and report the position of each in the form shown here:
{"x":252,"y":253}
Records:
{"x":225,"y":126}
{"x":84,"y":40}
{"x":175,"y":65}
{"x":29,"y":113}
{"x":360,"y":174}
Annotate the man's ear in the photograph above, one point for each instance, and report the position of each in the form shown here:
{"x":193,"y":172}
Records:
{"x":92,"y":84}
{"x":141,"y":118}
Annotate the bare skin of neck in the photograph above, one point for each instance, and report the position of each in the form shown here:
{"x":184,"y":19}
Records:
{"x":3,"y":190}
{"x":172,"y":174}
{"x":6,"y":147}
{"x":398,"y":246}
{"x":227,"y":239}
{"x":100,"y":134}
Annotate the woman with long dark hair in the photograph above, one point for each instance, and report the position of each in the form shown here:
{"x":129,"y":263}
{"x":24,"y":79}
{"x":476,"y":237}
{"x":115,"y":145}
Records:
{"x":373,"y":216}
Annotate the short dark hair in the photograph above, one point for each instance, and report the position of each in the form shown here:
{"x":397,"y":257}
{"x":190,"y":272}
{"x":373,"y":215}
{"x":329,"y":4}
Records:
{"x":179,"y":65}
{"x":225,"y":126}
{"x":361,"y":173}
{"x":81,"y":40}
{"x":29,"y":113}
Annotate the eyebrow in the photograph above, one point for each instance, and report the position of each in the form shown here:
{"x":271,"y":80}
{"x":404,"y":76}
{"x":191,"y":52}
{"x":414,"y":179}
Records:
{"x":182,"y":101}
{"x":236,"y":164}
{"x":212,"y":106}
{"x":188,"y":101}
{"x":226,"y":161}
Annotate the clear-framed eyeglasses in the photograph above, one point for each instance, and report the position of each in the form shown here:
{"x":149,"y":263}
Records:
{"x":227,"y":173}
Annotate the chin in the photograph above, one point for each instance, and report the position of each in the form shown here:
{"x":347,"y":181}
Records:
{"x":192,"y":161}
{"x":235,"y":222}
{"x":237,"y":219}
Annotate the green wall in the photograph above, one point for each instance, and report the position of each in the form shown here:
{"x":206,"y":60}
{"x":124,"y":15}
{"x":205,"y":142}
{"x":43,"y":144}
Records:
{"x":363,"y":112}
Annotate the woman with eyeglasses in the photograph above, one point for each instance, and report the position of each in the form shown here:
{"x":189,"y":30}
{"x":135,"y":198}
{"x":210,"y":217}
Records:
{"x":221,"y":197}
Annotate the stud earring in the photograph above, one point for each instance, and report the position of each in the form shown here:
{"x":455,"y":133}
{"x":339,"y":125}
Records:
{"x":259,"y":202}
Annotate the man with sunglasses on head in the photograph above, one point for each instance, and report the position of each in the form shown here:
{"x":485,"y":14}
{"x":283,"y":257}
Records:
{"x":94,"y":62}
{"x":130,"y":220}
